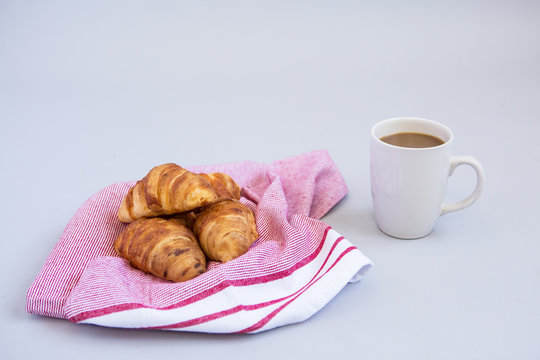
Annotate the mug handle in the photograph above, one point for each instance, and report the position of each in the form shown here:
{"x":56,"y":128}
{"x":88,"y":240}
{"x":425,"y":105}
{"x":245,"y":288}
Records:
{"x":475,"y":164}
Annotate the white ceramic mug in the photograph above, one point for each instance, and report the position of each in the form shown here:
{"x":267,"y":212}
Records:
{"x":408,"y":185}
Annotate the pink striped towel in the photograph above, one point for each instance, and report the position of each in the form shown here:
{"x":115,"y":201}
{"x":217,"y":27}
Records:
{"x":297,"y":265}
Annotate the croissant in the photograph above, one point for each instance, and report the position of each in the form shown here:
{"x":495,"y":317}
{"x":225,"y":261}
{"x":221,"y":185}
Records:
{"x":170,"y":189}
{"x":225,"y":230}
{"x":188,"y":218}
{"x":162,"y":247}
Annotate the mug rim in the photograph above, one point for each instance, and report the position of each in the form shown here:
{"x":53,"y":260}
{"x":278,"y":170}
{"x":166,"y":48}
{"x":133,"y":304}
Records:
{"x":409,"y":118}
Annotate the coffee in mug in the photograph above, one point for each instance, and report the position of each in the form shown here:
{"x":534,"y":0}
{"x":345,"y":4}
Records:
{"x":410,"y":162}
{"x":412,"y":140}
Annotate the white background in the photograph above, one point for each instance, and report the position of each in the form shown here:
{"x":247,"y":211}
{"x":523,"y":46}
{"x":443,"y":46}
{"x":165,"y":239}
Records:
{"x":95,"y":92}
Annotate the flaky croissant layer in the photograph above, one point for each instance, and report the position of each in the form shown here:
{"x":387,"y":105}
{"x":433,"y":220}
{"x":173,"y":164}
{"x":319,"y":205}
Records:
{"x":170,"y":189}
{"x":162,"y":247}
{"x":225,"y":230}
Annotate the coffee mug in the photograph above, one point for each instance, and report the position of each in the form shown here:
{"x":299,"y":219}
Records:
{"x":411,"y":160}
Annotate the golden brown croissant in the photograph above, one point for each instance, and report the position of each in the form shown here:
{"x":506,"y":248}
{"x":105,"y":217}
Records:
{"x":225,"y":230}
{"x":162,"y":247}
{"x":224,"y":185}
{"x":170,"y":189}
{"x":188,"y":218}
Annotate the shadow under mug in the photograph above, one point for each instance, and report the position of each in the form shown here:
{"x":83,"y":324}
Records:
{"x":408,"y":185}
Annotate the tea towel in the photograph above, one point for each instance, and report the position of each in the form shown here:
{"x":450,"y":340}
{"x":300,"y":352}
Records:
{"x":295,"y":267}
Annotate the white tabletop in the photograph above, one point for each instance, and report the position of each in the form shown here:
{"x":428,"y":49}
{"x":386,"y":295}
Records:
{"x":96,"y":92}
